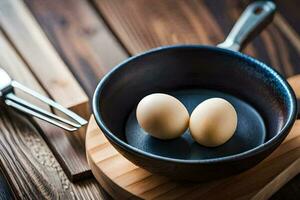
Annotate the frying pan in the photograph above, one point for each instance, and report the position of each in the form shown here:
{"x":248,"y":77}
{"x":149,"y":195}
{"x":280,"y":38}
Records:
{"x":265,"y":103}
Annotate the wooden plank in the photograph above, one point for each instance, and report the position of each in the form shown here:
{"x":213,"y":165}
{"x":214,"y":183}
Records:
{"x":26,"y":161}
{"x":15,"y":67}
{"x":80,"y":37}
{"x":54,"y":76}
{"x":18,"y":23}
{"x":31,"y":168}
{"x":289,"y":173}
{"x":290,"y":11}
{"x":142,"y":24}
{"x":68,"y":148}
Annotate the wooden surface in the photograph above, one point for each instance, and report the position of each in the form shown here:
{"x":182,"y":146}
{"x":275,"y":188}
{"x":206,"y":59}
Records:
{"x":29,"y":58}
{"x":81,"y":38}
{"x":27,"y":37}
{"x":26,"y":162}
{"x":31,"y":168}
{"x":122,"y":179}
{"x":91,"y":36}
{"x":150,"y":24}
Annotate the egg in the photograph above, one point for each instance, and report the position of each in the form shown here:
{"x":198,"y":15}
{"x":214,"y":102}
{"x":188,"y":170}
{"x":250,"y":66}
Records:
{"x":162,"y":116}
{"x":213,"y":122}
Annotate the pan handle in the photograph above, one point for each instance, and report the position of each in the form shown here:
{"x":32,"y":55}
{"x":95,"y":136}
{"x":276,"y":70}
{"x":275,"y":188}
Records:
{"x":253,"y":20}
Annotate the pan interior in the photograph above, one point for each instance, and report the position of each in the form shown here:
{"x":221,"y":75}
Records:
{"x":250,"y":133}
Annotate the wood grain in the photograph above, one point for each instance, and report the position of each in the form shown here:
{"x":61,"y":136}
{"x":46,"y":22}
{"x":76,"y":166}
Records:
{"x":122,"y":179}
{"x":290,"y":12}
{"x":22,"y":29}
{"x":31,"y":168}
{"x":27,"y":162}
{"x":142,"y":24}
{"x":68,"y":147}
{"x":284,"y":177}
{"x":16,"y":68}
{"x":80,"y":37}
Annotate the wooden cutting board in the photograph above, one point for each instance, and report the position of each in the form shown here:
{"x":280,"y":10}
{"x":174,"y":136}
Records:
{"x":122,"y":179}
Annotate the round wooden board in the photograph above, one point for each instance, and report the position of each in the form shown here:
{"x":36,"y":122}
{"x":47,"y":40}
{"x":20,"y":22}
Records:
{"x":122,"y":179}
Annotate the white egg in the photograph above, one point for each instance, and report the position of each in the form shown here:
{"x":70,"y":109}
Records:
{"x":213,"y":122}
{"x":162,"y":116}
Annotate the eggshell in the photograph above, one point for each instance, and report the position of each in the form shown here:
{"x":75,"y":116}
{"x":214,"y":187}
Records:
{"x":162,"y":116}
{"x":213,"y":122}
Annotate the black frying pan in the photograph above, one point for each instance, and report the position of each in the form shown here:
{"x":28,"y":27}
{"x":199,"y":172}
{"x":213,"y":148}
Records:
{"x":264,"y":101}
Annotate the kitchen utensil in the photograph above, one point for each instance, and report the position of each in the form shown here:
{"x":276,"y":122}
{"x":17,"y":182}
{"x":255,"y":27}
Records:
{"x":265,"y":104}
{"x":7,"y":86}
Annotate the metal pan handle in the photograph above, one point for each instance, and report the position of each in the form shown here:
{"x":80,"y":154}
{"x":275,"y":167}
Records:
{"x":253,"y":20}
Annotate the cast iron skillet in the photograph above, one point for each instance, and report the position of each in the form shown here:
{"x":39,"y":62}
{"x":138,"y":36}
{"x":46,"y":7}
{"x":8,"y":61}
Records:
{"x":264,"y":101}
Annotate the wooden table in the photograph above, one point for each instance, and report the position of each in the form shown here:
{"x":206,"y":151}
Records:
{"x":91,"y":36}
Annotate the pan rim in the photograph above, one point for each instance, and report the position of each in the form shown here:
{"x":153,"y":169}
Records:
{"x":243,"y":155}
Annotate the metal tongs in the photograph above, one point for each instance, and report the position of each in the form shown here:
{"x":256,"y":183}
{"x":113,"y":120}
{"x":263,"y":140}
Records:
{"x":7,"y":94}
